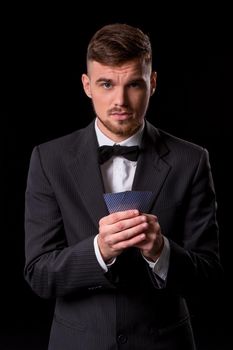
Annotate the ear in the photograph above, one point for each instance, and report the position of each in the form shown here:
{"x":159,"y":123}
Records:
{"x":153,"y":82}
{"x":86,"y":84}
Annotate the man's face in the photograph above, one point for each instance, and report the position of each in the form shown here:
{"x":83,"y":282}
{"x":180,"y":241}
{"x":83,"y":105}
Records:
{"x":120,"y":96}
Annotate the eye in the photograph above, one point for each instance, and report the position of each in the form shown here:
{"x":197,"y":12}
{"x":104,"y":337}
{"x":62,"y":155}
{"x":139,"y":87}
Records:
{"x":106,"y":85}
{"x":135,"y":84}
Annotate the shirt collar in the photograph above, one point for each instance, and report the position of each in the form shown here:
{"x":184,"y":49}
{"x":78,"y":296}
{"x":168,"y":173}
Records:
{"x":134,"y":140}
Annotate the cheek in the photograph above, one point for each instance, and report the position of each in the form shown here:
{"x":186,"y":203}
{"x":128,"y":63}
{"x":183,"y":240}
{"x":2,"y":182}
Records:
{"x":99,"y":97}
{"x":142,"y":101}
{"x":100,"y":103}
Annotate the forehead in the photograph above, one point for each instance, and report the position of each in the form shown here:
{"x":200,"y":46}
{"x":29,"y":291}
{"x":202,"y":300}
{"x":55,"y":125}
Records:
{"x":129,"y":69}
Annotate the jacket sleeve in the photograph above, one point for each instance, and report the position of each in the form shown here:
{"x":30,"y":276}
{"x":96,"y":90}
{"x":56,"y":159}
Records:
{"x":195,"y":263}
{"x":52,"y":267}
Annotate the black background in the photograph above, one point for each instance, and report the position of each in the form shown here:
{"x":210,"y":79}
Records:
{"x":43,"y":56}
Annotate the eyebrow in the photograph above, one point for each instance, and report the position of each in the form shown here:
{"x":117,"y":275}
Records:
{"x":106,"y":80}
{"x":101,"y":79}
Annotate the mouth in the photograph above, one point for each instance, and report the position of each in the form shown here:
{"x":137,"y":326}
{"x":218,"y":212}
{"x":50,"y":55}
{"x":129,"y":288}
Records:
{"x":121,"y":115}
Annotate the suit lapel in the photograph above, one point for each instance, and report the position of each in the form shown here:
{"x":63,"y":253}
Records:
{"x":152,"y":170}
{"x":85,"y":170}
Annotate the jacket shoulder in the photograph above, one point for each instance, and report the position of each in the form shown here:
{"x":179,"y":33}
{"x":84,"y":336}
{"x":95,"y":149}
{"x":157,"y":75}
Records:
{"x":176,"y":149}
{"x":60,"y":143}
{"x":67,"y":143}
{"x":177,"y":142}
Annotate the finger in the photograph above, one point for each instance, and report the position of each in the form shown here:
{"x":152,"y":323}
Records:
{"x":127,"y":234}
{"x":151,"y":218}
{"x":123,"y":225}
{"x":118,"y":216}
{"x":132,"y":242}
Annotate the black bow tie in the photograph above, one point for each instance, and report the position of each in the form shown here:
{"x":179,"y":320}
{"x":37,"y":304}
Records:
{"x":128,"y":152}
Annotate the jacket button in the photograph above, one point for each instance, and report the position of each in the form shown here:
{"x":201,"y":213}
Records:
{"x":122,"y":338}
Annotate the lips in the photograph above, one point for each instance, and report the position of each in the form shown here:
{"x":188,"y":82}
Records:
{"x":121,"y":115}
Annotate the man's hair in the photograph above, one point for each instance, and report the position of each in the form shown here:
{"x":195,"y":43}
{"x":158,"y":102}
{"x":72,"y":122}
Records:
{"x":115,"y":44}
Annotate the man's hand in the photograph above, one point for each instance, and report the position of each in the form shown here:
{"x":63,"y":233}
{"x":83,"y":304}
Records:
{"x":125,"y":229}
{"x":152,"y":246}
{"x":122,"y":230}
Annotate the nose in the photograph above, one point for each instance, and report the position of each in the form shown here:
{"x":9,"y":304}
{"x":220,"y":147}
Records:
{"x":120,"y":97}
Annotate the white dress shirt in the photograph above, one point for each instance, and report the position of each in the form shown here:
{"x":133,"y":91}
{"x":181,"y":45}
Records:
{"x":118,"y":174}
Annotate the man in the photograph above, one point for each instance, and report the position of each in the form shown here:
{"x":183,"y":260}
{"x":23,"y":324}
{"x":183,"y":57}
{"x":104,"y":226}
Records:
{"x":120,"y":280}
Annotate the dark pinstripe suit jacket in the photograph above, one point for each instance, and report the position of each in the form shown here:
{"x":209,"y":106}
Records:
{"x":123,"y":308}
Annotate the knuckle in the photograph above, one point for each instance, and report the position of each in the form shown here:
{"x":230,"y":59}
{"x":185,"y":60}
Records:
{"x":101,"y":222}
{"x":107,"y":240}
{"x":120,"y":226}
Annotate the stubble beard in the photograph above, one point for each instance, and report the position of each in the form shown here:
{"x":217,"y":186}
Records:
{"x":123,"y":128}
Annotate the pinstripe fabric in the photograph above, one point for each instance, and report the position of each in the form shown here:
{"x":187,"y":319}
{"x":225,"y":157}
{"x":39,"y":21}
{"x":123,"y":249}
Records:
{"x":122,"y":309}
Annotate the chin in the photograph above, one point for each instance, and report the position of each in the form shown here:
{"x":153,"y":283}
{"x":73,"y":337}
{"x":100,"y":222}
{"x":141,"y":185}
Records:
{"x":124,"y":128}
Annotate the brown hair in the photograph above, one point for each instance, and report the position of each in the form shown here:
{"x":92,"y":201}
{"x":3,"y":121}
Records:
{"x":117,"y":43}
